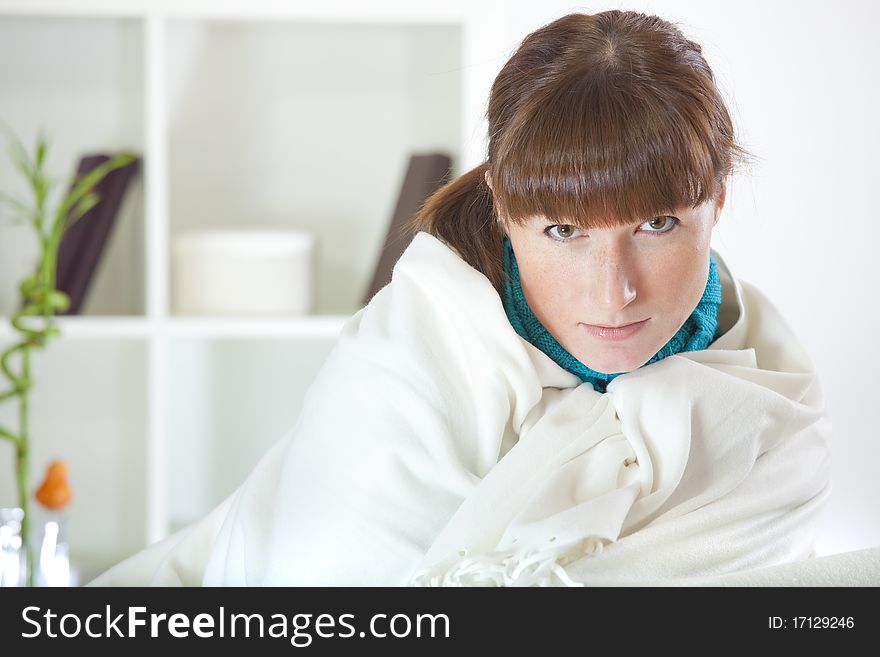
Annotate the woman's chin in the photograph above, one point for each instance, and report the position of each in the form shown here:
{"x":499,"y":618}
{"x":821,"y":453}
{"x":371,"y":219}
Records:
{"x":611,"y":357}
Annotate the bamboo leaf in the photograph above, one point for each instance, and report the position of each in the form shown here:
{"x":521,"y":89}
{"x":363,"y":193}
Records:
{"x":20,"y":157}
{"x":8,"y":435}
{"x":89,"y":201}
{"x":86,"y":183}
{"x":41,"y":188}
{"x":42,"y":147}
{"x":13,"y":202}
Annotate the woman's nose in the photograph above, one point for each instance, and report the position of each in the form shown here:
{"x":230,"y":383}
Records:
{"x":613,"y":285}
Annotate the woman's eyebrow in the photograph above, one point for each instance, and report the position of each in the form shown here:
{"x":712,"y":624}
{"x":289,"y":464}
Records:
{"x":635,"y":222}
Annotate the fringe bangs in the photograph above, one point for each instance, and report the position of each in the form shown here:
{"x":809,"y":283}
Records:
{"x":594,"y":153}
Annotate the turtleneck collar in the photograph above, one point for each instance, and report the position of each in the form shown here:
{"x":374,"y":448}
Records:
{"x":698,"y":331}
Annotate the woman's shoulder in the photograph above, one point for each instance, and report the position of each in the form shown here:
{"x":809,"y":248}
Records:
{"x":433,"y":289}
{"x":749,"y":318}
{"x":429,"y":258}
{"x":440,"y":323}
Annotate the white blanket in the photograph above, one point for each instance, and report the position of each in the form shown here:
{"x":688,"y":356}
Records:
{"x":436,"y":446}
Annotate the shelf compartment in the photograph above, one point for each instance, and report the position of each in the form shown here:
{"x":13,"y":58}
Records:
{"x":80,"y":81}
{"x":88,"y":407}
{"x":306,"y":127}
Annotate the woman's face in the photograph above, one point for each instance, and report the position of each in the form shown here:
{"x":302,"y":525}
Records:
{"x":655,"y":271}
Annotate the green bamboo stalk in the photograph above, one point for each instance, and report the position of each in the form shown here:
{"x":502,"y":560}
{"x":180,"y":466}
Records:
{"x":22,"y":463}
{"x":41,"y":299}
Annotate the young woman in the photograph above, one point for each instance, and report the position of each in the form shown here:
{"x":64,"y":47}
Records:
{"x":563,"y":383}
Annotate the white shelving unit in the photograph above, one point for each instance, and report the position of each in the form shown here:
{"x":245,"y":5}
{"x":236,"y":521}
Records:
{"x":264,"y":113}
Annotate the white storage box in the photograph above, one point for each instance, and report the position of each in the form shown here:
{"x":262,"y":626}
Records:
{"x":250,"y":272}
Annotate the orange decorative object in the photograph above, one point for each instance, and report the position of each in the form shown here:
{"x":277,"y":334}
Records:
{"x":55,"y":493}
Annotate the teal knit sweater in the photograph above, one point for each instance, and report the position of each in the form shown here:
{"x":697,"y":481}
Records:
{"x":698,"y":331}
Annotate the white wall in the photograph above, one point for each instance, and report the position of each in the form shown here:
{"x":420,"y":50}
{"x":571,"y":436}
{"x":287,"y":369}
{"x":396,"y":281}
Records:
{"x":804,"y":94}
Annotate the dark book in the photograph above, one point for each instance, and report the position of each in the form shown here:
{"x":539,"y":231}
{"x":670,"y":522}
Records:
{"x":425,"y":174}
{"x":85,"y":240}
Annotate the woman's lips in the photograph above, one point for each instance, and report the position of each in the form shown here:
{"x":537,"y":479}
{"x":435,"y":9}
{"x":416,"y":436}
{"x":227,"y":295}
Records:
{"x":621,"y":333}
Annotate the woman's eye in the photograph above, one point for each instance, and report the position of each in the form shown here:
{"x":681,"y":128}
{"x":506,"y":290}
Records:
{"x":564,"y":232}
{"x":663,"y":224}
{"x":658,"y":225}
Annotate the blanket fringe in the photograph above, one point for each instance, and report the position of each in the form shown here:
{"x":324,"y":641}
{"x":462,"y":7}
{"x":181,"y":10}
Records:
{"x":543,"y":566}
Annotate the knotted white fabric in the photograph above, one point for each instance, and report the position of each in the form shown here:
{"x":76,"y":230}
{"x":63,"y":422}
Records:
{"x":437,"y":447}
{"x":695,"y":466}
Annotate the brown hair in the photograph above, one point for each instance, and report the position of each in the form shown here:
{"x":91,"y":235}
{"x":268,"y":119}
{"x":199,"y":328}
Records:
{"x":595,"y":121}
